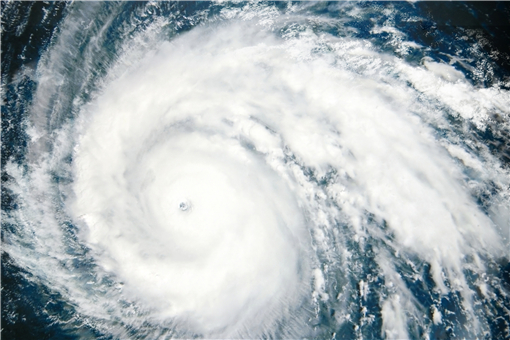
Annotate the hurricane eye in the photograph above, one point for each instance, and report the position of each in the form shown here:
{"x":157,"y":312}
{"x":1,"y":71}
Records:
{"x":184,"y":206}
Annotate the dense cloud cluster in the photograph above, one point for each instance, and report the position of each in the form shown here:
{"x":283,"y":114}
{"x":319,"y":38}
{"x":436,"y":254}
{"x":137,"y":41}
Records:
{"x":259,"y":176}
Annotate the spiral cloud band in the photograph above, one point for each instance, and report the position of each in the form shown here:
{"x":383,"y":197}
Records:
{"x":194,"y":222}
{"x":256,"y":177}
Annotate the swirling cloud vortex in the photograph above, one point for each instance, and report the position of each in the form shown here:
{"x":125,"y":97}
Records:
{"x":191,"y":218}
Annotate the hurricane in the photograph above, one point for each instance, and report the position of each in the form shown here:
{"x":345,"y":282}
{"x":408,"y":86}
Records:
{"x":255,"y":170}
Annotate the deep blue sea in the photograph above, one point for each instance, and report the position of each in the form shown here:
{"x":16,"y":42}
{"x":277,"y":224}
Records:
{"x":255,"y":170}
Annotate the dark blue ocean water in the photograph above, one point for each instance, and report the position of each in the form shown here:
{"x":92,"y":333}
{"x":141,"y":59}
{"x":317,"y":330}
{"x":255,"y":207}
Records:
{"x":89,"y":39}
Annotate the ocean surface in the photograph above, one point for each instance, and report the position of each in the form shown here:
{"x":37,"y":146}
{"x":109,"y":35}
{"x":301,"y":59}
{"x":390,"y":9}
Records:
{"x":255,"y":170}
